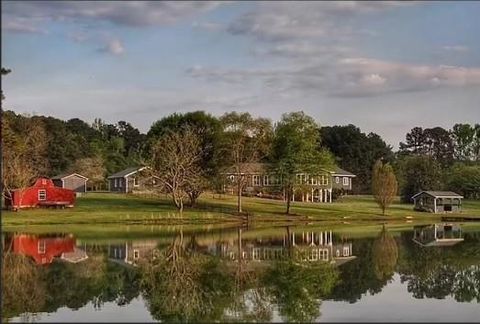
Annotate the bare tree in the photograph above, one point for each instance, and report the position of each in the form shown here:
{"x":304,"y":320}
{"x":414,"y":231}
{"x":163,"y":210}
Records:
{"x":246,"y":140}
{"x":93,"y":168}
{"x":23,"y":159}
{"x":176,"y":157}
{"x":384,"y":184}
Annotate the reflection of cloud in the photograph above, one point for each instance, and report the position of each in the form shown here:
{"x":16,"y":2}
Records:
{"x":130,"y":13}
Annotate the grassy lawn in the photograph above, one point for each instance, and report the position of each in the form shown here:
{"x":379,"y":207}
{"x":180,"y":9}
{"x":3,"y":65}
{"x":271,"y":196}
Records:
{"x":105,"y":208}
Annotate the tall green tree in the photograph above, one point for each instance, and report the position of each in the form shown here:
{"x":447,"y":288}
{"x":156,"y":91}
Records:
{"x":384,"y":184}
{"x":417,"y":173}
{"x":356,"y":152}
{"x":245,"y":140}
{"x":296,"y":150}
{"x":464,"y":179}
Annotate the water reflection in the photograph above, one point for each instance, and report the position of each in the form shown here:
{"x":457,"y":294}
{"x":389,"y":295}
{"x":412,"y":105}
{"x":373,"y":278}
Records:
{"x":235,"y":275}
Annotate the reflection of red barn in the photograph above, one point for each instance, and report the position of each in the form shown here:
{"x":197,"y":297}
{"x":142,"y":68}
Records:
{"x":42,"y":193}
{"x":42,"y":249}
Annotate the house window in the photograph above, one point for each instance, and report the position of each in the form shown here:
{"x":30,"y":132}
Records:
{"x":115,"y":183}
{"x":256,"y":180}
{"x":42,"y":246}
{"x":136,"y":254}
{"x":345,"y":181}
{"x":314,"y":180}
{"x":231,"y":178}
{"x":44,"y":182}
{"x":42,"y":194}
{"x":266,"y":180}
{"x":337,"y":179}
{"x":135,"y":182}
{"x":346,"y":251}
{"x":324,"y":180}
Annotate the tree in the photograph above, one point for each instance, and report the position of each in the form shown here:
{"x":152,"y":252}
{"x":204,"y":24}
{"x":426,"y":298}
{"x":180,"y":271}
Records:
{"x":463,"y":137}
{"x":245,"y":140}
{"x":384,"y":184}
{"x":464,"y":179}
{"x":296,"y":149}
{"x":418,"y":173}
{"x":356,"y":151}
{"x":175,"y":159}
{"x":209,"y":131}
{"x":93,"y":168}
{"x":24,"y":150}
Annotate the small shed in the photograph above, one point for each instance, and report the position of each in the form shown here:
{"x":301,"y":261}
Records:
{"x":72,"y":181}
{"x":42,"y":193}
{"x":437,"y":201}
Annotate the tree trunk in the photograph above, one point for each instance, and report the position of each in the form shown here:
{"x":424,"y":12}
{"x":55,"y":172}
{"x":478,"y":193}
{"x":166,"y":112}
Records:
{"x":239,"y":196}
{"x":289,"y":198}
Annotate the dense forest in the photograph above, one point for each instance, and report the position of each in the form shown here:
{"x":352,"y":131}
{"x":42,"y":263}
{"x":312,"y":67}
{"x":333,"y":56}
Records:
{"x":431,"y":158}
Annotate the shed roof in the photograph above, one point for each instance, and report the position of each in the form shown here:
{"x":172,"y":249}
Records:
{"x":66,"y":175}
{"x":127,"y":172}
{"x":258,"y":167}
{"x":440,"y":194}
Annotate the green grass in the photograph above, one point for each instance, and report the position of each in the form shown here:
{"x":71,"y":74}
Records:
{"x":101,"y":209}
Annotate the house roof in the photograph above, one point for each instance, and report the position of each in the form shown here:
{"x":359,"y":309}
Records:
{"x":126,"y":172}
{"x":440,"y":194}
{"x":340,"y":172}
{"x":258,"y":167}
{"x":66,"y":175}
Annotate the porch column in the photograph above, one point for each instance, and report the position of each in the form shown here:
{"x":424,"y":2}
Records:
{"x":330,"y":194}
{"x":321,"y":238}
{"x":321,"y":194}
{"x":435,"y":211}
{"x":312,"y":194}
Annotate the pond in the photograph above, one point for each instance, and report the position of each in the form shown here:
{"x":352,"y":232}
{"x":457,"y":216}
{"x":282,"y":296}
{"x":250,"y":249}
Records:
{"x":280,"y":274}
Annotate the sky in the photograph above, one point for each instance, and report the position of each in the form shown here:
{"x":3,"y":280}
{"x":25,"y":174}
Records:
{"x":385,"y":67}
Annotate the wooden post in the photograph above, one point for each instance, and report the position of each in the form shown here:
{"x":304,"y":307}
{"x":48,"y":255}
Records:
{"x":435,"y":211}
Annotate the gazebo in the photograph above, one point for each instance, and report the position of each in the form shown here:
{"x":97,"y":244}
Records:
{"x":437,"y":201}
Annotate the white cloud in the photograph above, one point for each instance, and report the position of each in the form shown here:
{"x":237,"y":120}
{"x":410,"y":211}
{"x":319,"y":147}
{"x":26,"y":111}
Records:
{"x":113,"y":46}
{"x":21,"y":25}
{"x":348,"y":77}
{"x":129,"y":13}
{"x":456,"y":48}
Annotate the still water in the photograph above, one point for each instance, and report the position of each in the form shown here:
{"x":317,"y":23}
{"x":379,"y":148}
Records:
{"x":307,"y":274}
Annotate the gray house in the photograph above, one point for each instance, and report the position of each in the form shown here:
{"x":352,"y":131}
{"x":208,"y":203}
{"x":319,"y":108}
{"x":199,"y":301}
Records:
{"x":134,"y":178}
{"x":437,"y":201}
{"x":72,"y":181}
{"x":261,"y":181}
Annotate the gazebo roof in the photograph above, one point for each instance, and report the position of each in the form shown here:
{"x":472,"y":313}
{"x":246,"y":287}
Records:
{"x":440,"y":194}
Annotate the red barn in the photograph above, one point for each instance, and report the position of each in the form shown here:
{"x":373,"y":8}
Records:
{"x":42,"y":193}
{"x":42,"y":249}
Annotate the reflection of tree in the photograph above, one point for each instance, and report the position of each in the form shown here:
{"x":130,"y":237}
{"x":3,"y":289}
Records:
{"x":182,"y":285}
{"x":358,"y":277}
{"x":247,"y":290}
{"x":297,"y":289}
{"x":438,"y":272}
{"x":385,"y":255}
{"x":22,"y":287}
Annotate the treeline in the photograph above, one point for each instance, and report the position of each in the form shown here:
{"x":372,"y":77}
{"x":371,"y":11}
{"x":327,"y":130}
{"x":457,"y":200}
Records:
{"x":429,"y":159}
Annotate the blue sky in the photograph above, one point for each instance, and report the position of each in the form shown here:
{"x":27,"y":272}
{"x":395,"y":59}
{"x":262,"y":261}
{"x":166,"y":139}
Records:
{"x":383,"y":66}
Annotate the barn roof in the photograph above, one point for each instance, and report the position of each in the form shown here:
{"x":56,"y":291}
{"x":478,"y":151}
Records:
{"x":440,"y":194}
{"x":66,"y":175}
{"x":127,"y":172}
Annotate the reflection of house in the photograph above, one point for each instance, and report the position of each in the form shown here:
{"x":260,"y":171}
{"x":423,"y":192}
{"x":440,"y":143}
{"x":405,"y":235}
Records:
{"x":135,"y":178}
{"x":437,"y":201}
{"x":43,"y":249}
{"x":42,"y":193}
{"x":132,"y":252}
{"x":304,"y":247}
{"x":437,"y":234}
